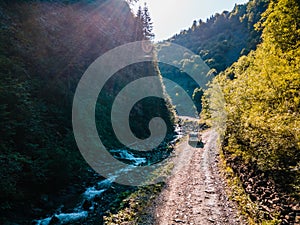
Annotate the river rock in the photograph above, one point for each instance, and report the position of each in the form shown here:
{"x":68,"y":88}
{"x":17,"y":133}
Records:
{"x":54,"y":221}
{"x":86,"y":204}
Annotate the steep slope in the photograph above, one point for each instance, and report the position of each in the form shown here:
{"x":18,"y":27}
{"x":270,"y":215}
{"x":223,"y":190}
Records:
{"x":224,"y":37}
{"x":219,"y":42}
{"x":45,"y":48}
{"x":261,"y":142}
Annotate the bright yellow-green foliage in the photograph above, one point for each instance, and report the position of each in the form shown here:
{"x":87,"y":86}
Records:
{"x":262,"y":93}
{"x":281,"y":27}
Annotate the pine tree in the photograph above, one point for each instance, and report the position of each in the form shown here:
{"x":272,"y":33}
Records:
{"x":139,"y":13}
{"x":147,"y":23}
{"x":139,"y":24}
{"x":194,"y":26}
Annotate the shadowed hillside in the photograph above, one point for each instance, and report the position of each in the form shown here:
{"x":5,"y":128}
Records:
{"x":45,"y":48}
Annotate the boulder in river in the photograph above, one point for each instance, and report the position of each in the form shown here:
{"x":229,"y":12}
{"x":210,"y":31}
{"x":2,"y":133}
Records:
{"x":86,"y":204}
{"x":54,"y":221}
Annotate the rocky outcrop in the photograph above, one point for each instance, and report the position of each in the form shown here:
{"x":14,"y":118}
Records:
{"x":270,"y":195}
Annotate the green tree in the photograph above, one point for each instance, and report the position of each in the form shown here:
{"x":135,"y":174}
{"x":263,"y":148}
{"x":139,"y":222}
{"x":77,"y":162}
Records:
{"x":194,"y":26}
{"x":262,"y":93}
{"x":197,"y":97}
{"x":144,"y":22}
{"x":147,"y":23}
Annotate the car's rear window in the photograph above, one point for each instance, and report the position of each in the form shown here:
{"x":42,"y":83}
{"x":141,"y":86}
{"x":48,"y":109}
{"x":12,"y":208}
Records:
{"x":193,"y":135}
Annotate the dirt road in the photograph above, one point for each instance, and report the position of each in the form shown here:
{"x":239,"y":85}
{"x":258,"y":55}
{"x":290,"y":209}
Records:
{"x":196,"y":192}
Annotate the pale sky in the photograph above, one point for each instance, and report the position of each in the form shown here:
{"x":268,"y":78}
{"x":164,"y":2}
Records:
{"x":171,"y":16}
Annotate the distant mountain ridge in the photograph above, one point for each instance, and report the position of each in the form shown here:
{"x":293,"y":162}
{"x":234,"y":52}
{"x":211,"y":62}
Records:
{"x":219,"y":42}
{"x":224,"y":37}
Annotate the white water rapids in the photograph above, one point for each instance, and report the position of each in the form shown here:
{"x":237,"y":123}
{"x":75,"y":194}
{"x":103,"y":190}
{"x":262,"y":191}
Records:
{"x":90,"y":193}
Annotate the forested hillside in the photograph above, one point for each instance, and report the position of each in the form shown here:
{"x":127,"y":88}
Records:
{"x":45,"y":48}
{"x":253,"y":58}
{"x":219,"y":41}
{"x":262,"y":137}
{"x":224,"y":37}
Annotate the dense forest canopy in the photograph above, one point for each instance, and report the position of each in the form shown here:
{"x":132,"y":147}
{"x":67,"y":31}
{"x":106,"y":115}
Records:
{"x":219,"y":42}
{"x":261,"y":92}
{"x":224,"y":37}
{"x":45,"y":48}
{"x":253,"y":58}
